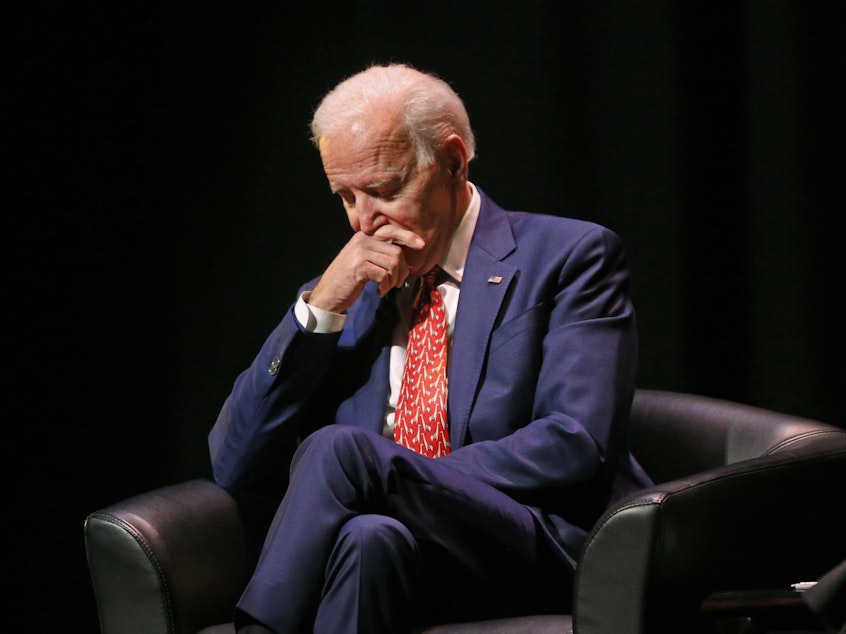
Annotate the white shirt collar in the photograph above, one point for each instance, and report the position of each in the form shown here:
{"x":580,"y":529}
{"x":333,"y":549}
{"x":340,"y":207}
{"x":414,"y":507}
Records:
{"x":456,"y":257}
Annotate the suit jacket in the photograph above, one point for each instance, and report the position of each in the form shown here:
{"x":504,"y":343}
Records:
{"x":541,"y":376}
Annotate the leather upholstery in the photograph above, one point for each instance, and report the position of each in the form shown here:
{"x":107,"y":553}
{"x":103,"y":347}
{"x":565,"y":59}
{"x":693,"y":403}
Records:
{"x":171,"y":560}
{"x":747,"y":498}
{"x":705,"y":433}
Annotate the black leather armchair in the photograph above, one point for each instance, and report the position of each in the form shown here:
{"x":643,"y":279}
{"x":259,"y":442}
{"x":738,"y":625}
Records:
{"x":749,"y":502}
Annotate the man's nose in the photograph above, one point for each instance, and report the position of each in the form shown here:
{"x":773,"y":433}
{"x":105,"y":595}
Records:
{"x":369,"y":214}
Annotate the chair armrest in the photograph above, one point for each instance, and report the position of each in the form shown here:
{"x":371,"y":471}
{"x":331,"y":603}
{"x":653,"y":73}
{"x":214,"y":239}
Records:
{"x":768,"y":522}
{"x":170,"y":560}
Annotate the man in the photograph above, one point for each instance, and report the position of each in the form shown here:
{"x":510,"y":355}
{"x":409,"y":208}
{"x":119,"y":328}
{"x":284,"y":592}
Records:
{"x":467,"y":492}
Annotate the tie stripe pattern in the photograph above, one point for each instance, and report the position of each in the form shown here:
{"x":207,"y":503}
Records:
{"x":421,"y":416}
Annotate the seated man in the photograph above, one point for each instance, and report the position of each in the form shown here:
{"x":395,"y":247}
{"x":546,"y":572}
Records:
{"x":442,"y":414}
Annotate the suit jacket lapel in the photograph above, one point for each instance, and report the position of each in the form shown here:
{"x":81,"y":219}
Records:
{"x":484,"y":287}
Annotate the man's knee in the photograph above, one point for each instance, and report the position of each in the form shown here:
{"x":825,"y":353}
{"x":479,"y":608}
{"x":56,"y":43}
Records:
{"x":378,"y":536}
{"x":333,"y":444}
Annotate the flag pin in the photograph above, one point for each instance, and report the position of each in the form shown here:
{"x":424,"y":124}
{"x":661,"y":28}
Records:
{"x":494,"y":279}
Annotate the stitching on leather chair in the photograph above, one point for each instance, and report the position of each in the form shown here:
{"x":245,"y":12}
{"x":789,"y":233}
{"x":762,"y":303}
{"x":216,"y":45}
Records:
{"x":801,"y":438}
{"x":128,"y":528}
{"x":657,"y":500}
{"x":734,"y":473}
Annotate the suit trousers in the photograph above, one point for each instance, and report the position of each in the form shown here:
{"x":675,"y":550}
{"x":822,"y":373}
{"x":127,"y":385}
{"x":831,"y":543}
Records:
{"x":372,"y":537}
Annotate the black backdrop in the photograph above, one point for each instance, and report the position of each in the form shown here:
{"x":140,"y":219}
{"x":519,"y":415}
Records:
{"x":163,"y":203}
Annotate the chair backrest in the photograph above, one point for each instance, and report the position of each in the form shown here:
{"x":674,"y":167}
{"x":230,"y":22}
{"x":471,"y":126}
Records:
{"x":675,"y":435}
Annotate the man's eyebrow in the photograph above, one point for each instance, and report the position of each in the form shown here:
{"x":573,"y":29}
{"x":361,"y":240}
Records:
{"x":336,"y":188}
{"x":391,"y":180}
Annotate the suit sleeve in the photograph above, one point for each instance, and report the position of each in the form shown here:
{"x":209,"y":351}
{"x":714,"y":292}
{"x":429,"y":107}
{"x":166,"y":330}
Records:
{"x":576,"y":436}
{"x":261,"y":420}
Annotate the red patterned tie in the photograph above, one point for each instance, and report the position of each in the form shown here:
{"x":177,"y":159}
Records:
{"x":421,"y":416}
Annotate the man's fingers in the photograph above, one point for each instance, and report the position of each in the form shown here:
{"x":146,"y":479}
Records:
{"x":378,"y":258}
{"x":391,"y":269}
{"x":400,"y":236}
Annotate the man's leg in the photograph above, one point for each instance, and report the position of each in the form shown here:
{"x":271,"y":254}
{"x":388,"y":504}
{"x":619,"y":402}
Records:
{"x":480,"y":549}
{"x":375,"y":563}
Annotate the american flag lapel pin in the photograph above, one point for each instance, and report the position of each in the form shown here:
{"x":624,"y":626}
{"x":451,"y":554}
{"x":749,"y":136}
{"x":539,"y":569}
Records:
{"x":494,"y":279}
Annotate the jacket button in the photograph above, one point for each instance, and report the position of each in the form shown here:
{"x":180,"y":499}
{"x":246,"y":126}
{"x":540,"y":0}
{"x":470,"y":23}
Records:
{"x":274,"y":366}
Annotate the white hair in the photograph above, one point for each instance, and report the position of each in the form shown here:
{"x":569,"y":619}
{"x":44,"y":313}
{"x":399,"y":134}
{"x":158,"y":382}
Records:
{"x":430,"y":109}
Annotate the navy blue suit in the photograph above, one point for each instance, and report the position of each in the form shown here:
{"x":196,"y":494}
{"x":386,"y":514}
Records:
{"x":541,"y":377}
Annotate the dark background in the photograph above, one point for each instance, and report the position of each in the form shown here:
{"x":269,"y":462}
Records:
{"x":162,"y":204}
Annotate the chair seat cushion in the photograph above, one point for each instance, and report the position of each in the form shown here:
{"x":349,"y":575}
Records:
{"x":539,"y":624}
{"x":223,"y":628}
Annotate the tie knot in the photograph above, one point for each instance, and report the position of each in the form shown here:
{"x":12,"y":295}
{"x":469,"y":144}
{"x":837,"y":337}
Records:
{"x":428,"y":282}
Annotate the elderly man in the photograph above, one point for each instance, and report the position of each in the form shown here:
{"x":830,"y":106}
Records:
{"x":443,"y":412}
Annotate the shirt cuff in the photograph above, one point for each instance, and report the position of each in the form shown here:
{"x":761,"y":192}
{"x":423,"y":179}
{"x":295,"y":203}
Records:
{"x":315,"y":319}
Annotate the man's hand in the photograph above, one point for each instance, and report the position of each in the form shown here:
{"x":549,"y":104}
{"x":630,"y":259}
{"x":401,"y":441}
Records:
{"x":378,"y":258}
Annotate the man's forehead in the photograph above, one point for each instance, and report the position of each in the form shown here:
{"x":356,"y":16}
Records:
{"x":371,"y":161}
{"x":369,"y":179}
{"x":370,"y":136}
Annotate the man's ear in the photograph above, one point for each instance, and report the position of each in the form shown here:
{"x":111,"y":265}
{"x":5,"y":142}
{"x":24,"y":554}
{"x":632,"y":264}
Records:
{"x":456,"y":156}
